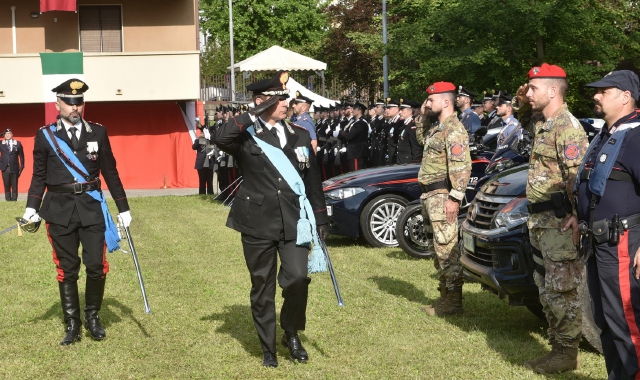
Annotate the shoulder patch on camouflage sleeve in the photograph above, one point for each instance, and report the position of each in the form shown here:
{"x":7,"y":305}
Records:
{"x":572,"y":151}
{"x":457,"y":150}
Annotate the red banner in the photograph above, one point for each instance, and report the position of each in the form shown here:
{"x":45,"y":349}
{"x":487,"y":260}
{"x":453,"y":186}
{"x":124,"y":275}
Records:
{"x":57,"y":5}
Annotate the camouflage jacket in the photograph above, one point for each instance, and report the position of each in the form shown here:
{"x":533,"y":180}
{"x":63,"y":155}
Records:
{"x":446,"y":156}
{"x":558,"y":148}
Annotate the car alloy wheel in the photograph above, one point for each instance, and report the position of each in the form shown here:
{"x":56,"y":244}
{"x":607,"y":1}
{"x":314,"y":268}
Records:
{"x":378,"y":220}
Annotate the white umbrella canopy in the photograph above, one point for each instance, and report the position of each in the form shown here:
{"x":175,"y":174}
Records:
{"x":318,"y":100}
{"x":278,"y":58}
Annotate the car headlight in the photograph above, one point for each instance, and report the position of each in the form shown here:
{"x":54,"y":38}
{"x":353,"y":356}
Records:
{"x":513,"y":214}
{"x":344,"y":193}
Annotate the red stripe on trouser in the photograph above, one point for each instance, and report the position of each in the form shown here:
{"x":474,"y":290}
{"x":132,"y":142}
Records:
{"x":105,"y":263}
{"x":60,"y":276}
{"x":625,"y":293}
{"x":355,"y":164}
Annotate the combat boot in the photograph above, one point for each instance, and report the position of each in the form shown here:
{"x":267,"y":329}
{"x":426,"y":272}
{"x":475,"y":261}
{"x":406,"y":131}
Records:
{"x":532,"y":364}
{"x":564,"y":359}
{"x":450,"y":305}
{"x":453,"y":304}
{"x":94,"y":293}
{"x":442,"y":287}
{"x":70,"y":303}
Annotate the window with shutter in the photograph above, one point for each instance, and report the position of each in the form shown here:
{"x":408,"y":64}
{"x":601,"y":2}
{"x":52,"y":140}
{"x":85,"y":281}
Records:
{"x":100,"y":28}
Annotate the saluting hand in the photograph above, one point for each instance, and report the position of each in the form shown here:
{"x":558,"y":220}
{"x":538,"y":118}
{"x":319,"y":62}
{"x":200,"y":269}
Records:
{"x":262,"y":107}
{"x":521,"y":94}
{"x":423,"y":108}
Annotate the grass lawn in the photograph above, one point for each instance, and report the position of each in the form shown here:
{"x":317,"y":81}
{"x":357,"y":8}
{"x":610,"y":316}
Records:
{"x":201,"y":326}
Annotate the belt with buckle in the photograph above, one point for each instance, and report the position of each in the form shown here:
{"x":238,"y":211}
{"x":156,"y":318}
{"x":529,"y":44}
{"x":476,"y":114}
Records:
{"x":76,"y":187}
{"x":433,"y":186}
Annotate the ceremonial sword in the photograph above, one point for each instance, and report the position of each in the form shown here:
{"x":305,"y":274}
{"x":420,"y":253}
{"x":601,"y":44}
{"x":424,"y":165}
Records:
{"x":147,"y":309}
{"x":331,"y":272}
{"x":31,"y":226}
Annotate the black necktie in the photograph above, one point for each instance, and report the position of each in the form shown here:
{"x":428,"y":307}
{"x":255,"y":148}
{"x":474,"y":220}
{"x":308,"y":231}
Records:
{"x":74,"y":138}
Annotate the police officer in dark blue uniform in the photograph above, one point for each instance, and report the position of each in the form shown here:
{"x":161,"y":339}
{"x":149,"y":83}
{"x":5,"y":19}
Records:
{"x":467,"y":117}
{"x":608,"y":188}
{"x":302,"y":118}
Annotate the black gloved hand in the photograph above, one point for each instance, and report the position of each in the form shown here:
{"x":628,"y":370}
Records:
{"x":262,"y":107}
{"x":323,"y":231}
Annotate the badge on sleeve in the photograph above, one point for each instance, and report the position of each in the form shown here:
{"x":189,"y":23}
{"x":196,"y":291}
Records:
{"x":571,"y":152}
{"x":457,"y":150}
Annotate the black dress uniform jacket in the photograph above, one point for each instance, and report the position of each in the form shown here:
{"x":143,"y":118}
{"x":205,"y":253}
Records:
{"x":265,"y":206}
{"x":13,"y":159}
{"x":356,"y":138}
{"x":49,"y":170}
{"x":202,"y":146}
{"x":409,"y":149}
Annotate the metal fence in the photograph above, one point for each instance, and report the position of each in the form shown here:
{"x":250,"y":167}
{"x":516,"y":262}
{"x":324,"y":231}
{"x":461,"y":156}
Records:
{"x":217,"y":87}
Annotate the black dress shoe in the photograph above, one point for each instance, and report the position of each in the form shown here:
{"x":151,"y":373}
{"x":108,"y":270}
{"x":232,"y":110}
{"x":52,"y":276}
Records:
{"x":269,"y":360}
{"x":73,"y":332}
{"x":95,"y":328}
{"x":296,"y":351}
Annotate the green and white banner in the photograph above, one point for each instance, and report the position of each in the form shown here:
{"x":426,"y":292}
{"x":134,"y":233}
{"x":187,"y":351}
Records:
{"x":57,"y":68}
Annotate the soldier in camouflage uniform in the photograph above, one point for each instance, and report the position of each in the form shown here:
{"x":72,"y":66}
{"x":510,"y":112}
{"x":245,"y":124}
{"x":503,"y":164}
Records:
{"x":559,"y":145}
{"x":443,"y":177}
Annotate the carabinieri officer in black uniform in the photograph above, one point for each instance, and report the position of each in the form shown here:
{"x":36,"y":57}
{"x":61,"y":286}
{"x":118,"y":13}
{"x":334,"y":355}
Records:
{"x":608,"y":185}
{"x":266,"y":211}
{"x":72,"y":214}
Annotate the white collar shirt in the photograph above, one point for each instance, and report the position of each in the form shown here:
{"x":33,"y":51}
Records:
{"x":280,"y":131}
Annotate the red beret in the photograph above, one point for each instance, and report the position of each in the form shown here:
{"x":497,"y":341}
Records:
{"x":441,"y":87}
{"x":546,"y":71}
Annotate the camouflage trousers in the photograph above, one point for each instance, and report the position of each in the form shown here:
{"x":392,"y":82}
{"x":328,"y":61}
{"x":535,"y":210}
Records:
{"x":445,"y":239}
{"x":558,"y":289}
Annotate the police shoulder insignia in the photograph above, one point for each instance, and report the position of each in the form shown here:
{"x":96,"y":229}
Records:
{"x":603,"y":158}
{"x":572,"y":151}
{"x":457,"y":149}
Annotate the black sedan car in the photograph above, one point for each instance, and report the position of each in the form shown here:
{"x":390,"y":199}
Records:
{"x":367,"y":202}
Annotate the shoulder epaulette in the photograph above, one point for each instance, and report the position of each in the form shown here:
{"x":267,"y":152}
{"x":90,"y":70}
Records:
{"x":298,"y":126}
{"x":89,"y":121}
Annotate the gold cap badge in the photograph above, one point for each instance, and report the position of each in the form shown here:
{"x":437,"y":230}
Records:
{"x":75,"y":86}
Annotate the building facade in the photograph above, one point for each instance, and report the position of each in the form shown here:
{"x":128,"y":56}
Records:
{"x":141,"y":60}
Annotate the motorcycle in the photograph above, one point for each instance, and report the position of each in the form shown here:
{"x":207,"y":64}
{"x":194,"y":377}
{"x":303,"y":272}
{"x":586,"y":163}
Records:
{"x":414,"y":238}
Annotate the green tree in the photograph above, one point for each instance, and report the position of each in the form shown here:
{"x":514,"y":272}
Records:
{"x":486,"y":45}
{"x":353,"y":47}
{"x":297,"y":25}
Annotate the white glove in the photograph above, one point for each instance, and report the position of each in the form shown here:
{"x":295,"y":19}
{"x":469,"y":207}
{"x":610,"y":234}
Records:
{"x":30,"y":214}
{"x":318,"y":149}
{"x":335,"y":133}
{"x":325,"y":151}
{"x":327,"y":130}
{"x":335,"y":150}
{"x":207,"y":135}
{"x":125,"y":218}
{"x":343,"y":150}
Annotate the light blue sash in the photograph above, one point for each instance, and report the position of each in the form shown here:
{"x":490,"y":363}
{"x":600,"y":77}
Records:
{"x":111,"y":233}
{"x":306,"y":232}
